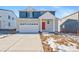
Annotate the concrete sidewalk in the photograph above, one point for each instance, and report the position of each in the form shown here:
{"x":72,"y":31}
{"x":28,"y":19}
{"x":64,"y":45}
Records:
{"x":21,"y":42}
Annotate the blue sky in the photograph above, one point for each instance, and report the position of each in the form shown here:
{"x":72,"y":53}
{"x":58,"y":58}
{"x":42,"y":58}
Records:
{"x":61,"y":11}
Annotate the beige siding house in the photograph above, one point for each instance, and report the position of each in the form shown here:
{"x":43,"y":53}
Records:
{"x":50,"y":21}
{"x":34,"y":21}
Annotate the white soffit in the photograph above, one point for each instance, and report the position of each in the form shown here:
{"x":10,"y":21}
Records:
{"x":47,"y":15}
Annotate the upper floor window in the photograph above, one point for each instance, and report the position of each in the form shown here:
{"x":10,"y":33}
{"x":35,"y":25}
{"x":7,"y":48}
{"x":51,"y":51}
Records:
{"x":36,"y":14}
{"x":29,"y":14}
{"x":12,"y":18}
{"x":8,"y":17}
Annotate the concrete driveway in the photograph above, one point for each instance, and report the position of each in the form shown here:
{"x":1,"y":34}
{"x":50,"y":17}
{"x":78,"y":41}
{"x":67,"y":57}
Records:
{"x":21,"y":42}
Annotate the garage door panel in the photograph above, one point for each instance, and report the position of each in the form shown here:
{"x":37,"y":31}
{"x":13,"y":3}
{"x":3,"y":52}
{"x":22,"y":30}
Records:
{"x":29,"y":28}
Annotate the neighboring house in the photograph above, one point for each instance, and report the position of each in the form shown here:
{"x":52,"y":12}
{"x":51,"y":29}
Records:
{"x":34,"y":21}
{"x":70,"y":23}
{"x":7,"y":21}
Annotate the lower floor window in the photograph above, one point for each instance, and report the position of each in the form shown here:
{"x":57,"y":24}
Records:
{"x":48,"y":22}
{"x":63,"y":26}
{"x":9,"y":24}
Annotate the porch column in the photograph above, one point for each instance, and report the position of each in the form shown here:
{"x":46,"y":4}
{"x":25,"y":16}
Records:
{"x":54,"y":24}
{"x":40,"y":25}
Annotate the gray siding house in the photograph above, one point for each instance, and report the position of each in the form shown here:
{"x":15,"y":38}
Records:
{"x":70,"y":23}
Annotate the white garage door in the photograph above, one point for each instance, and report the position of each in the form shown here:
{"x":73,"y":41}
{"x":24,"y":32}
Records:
{"x":29,"y":28}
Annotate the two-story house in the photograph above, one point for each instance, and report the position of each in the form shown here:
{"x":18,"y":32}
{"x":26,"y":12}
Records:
{"x":34,"y":21}
{"x":7,"y":21}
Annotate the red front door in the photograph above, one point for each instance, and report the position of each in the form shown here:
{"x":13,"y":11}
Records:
{"x":43,"y":25}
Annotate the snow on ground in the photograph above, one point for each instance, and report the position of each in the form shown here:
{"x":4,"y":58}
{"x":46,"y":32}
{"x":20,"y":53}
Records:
{"x":63,"y":43}
{"x":2,"y":36}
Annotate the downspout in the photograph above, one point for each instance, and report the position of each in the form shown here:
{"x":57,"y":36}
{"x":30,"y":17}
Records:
{"x":54,"y":25}
{"x":39,"y":25}
{"x":78,"y":25}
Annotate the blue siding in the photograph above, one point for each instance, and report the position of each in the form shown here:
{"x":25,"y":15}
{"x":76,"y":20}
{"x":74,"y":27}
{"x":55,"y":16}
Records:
{"x":52,"y":12}
{"x":35,"y":14}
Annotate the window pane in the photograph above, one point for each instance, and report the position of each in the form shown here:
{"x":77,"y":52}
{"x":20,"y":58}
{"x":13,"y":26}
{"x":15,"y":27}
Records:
{"x":9,"y":24}
{"x":8,"y":17}
{"x":47,"y":21}
{"x":12,"y":18}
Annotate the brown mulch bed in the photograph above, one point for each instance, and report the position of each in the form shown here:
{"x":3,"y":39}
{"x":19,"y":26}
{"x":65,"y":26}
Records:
{"x":64,"y":41}
{"x":45,"y":46}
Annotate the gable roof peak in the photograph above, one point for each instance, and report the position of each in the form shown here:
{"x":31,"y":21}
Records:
{"x":47,"y":15}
